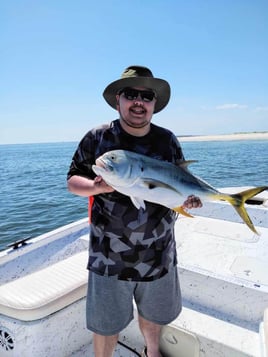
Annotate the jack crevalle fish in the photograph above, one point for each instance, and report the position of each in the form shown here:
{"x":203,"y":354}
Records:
{"x":143,"y":178}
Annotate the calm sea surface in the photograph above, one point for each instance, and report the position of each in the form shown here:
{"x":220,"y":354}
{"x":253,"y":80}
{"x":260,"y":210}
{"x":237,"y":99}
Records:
{"x":34,"y":198}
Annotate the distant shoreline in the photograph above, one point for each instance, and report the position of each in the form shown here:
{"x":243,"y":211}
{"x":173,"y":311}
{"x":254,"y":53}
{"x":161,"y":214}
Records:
{"x":225,"y":137}
{"x":183,"y":138}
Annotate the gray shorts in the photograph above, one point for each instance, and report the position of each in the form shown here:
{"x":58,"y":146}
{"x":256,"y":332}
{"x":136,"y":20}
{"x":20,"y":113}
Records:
{"x":110,"y":301}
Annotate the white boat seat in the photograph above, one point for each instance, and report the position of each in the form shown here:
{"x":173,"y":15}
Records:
{"x":46,"y":291}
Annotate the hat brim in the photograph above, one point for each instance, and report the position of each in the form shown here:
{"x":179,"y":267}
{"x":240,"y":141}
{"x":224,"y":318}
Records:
{"x":159,"y":86}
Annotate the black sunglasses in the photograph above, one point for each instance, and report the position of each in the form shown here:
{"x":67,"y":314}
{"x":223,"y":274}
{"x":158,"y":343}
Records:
{"x":132,"y":94}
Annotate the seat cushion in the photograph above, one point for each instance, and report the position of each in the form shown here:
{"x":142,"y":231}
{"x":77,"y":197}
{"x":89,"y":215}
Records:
{"x":46,"y":291}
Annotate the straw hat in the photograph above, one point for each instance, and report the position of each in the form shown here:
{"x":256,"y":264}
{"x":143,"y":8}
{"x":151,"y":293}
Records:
{"x":138,"y":76}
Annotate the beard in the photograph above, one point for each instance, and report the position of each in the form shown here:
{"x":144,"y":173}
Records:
{"x":136,"y":124}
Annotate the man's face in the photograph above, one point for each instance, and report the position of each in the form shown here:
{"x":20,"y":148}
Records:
{"x":136,"y":106}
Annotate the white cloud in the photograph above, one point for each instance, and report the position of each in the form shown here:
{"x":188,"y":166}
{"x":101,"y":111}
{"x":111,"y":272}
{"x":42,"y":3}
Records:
{"x":261,"y":109}
{"x":231,"y":106}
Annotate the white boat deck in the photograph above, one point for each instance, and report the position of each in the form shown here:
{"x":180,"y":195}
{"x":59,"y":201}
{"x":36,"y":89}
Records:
{"x":223,"y":274}
{"x":224,"y":248}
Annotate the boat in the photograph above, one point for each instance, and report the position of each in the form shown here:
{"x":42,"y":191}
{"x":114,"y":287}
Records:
{"x":223,"y":268}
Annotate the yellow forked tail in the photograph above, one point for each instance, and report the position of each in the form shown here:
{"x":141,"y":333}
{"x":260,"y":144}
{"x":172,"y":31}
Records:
{"x":238,"y":200}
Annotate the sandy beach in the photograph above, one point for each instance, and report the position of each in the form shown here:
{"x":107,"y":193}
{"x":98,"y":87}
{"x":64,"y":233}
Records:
{"x":226,"y":137}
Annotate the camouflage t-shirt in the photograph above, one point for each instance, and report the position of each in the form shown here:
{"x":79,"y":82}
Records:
{"x":132,"y":244}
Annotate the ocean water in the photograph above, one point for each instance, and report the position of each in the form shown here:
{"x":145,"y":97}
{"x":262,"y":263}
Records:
{"x":34,"y":198}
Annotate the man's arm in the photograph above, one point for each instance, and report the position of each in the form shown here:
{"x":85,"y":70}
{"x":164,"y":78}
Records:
{"x":85,"y":187}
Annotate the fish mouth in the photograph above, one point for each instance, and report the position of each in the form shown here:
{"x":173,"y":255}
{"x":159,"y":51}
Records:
{"x":104,"y":165}
{"x":100,"y":163}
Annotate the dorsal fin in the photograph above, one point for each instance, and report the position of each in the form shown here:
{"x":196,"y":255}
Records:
{"x":186,"y":163}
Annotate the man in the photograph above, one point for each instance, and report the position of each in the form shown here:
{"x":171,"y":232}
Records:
{"x":132,"y":252}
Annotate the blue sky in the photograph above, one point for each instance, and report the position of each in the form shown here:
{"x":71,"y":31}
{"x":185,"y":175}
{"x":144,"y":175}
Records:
{"x":57,"y":56}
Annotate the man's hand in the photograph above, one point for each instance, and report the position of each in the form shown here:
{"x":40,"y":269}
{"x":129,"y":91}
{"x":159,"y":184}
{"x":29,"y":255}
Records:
{"x":101,"y":185}
{"x":192,"y":202}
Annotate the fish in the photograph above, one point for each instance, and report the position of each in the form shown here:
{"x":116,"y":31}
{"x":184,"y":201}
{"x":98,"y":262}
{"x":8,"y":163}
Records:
{"x":144,"y":178}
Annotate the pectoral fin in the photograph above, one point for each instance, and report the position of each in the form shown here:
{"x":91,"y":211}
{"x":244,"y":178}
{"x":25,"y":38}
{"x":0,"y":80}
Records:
{"x":181,"y":210}
{"x":152,"y":184}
